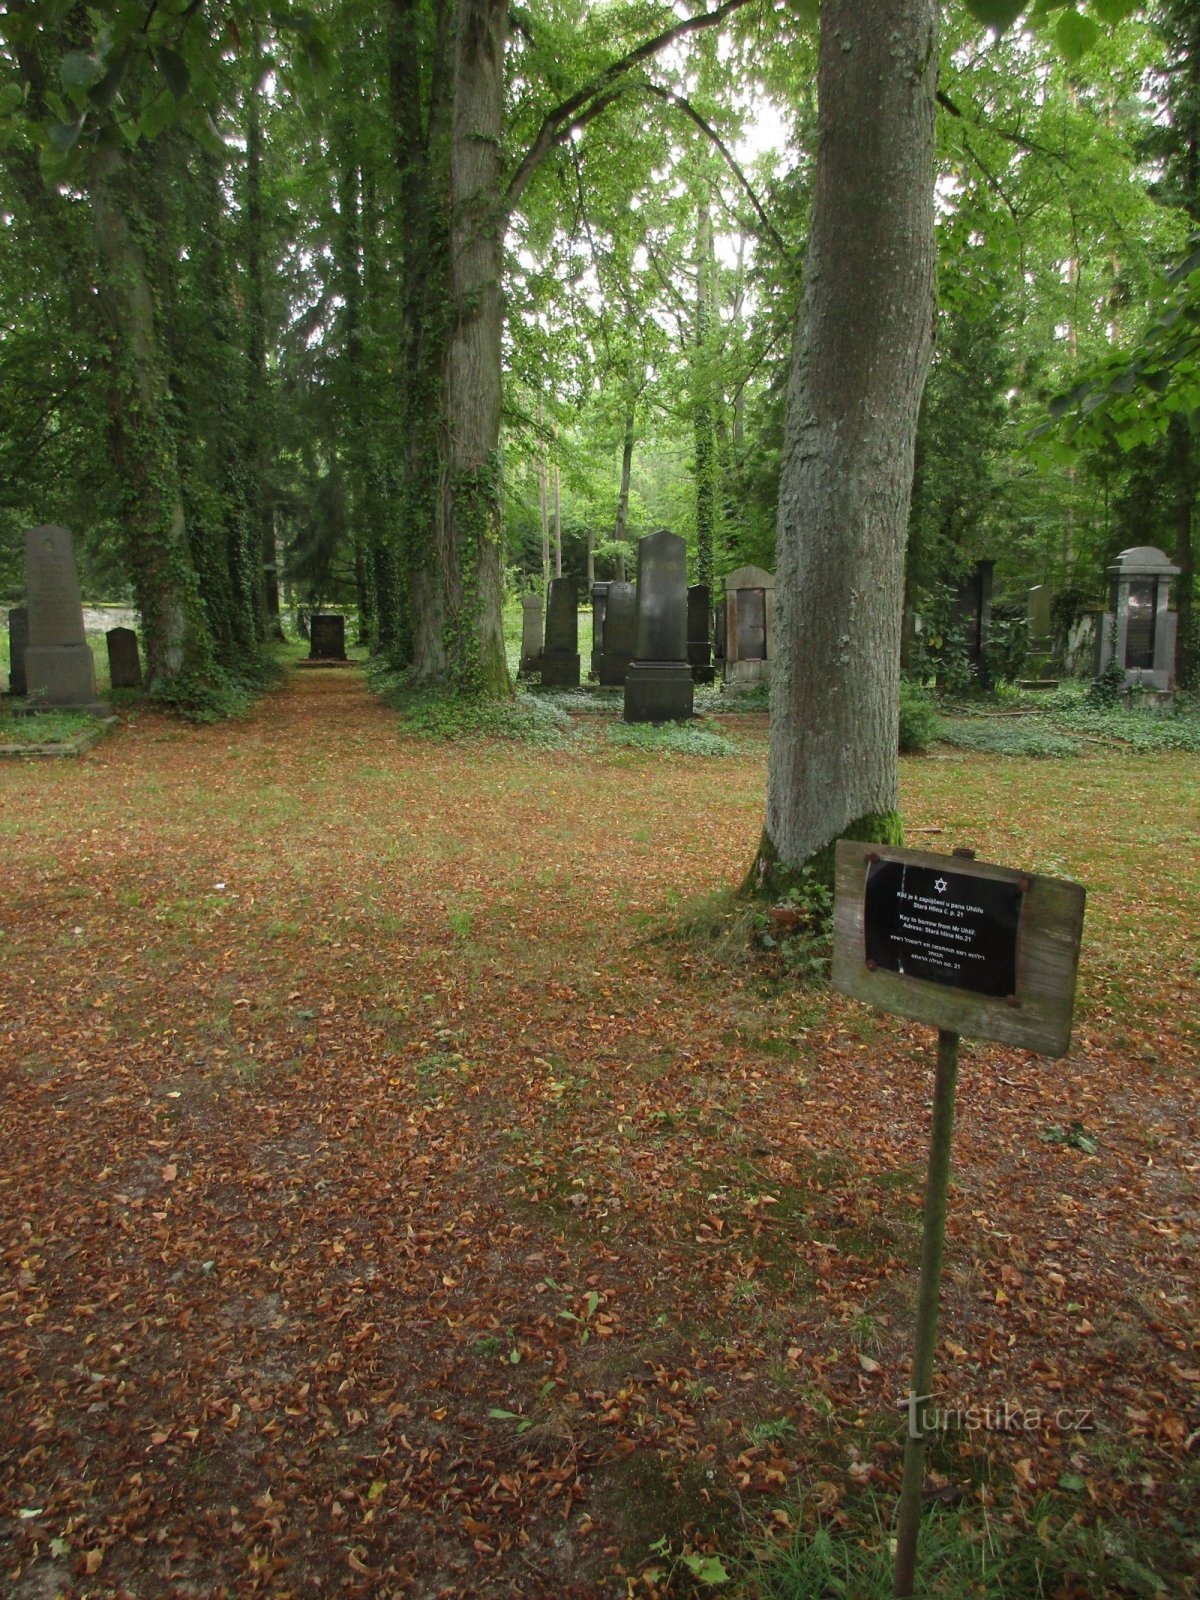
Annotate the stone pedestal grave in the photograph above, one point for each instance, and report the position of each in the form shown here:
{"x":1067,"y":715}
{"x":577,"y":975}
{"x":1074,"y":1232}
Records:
{"x":327,"y":636}
{"x":531,"y":634}
{"x":560,"y":657}
{"x":58,"y":661}
{"x":749,"y":632}
{"x":699,"y":633}
{"x":1139,"y":628}
{"x":599,"y":612}
{"x":620,"y":634}
{"x":972,"y":609}
{"x":18,"y":642}
{"x":124,"y":664}
{"x":658,"y":685}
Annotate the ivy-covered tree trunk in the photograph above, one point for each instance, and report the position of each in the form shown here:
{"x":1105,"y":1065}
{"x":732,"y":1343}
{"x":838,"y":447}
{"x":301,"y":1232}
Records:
{"x":175,"y":632}
{"x":859,"y":363}
{"x":257,"y":436}
{"x":472,"y":561}
{"x":621,"y":527}
{"x":703,"y":421}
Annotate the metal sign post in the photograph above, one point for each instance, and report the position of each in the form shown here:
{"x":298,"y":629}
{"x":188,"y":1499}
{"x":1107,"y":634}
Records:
{"x":973,"y":949}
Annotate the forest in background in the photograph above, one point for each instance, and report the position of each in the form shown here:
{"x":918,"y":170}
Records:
{"x":228,"y":329}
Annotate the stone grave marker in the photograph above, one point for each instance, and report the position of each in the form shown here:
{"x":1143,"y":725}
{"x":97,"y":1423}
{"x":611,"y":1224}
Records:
{"x":599,"y":611}
{"x":699,"y":633}
{"x":749,"y":632}
{"x":124,"y":664}
{"x":58,"y":660}
{"x":560,"y":656}
{"x":620,"y":634}
{"x":531,"y":634}
{"x":972,"y":609}
{"x":327,"y":636}
{"x":1139,"y":627}
{"x":18,"y":640}
{"x":658,"y":685}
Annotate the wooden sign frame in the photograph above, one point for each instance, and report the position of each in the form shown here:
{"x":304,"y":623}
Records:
{"x":1037,"y":1016}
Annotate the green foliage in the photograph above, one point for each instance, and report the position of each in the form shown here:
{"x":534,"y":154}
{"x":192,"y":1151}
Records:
{"x":1107,"y":688}
{"x":427,"y":713}
{"x":1008,"y":643}
{"x":670,"y":738}
{"x":918,"y":719}
{"x":1024,"y":736}
{"x":215,"y":694}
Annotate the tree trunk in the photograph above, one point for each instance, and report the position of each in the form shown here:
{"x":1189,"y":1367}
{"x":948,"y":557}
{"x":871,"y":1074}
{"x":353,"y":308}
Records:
{"x":704,"y":432}
{"x":543,"y":502}
{"x":860,"y":357}
{"x":144,"y":447}
{"x":472,"y":565}
{"x":257,"y":441}
{"x":621,"y":530}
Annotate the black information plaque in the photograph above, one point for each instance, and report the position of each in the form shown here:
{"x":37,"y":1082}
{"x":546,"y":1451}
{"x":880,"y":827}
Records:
{"x":942,"y":926}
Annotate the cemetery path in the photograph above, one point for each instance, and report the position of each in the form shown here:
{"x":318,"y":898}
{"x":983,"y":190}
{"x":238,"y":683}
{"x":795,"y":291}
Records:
{"x":395,"y":1200}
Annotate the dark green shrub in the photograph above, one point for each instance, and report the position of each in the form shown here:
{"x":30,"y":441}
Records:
{"x":918,"y":720}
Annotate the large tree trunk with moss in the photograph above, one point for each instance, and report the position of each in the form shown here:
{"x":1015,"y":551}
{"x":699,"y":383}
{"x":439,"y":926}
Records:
{"x":859,"y":362}
{"x":176,"y":637}
{"x":472,"y":562}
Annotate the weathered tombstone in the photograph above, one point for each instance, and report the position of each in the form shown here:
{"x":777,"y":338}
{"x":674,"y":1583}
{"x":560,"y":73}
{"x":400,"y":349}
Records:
{"x":560,"y":657}
{"x":620,"y":634}
{"x":699,"y":633}
{"x":58,"y":660}
{"x":749,"y":632}
{"x":658,"y":685}
{"x":124,"y":665}
{"x":18,"y":640}
{"x":327,"y":635}
{"x":972,"y":607}
{"x":599,"y":611}
{"x":1139,"y":628}
{"x":531,"y":634}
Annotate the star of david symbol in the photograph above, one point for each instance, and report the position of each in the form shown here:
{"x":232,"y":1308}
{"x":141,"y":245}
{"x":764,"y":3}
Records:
{"x":941,"y":885}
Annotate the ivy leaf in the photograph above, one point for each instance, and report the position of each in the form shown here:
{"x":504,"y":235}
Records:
{"x":157,"y":115}
{"x":1076,"y":34}
{"x":64,"y":135}
{"x":706,"y":1569}
{"x":997,"y":14}
{"x":1111,"y":12}
{"x":174,"y":69}
{"x":11,"y":96}
{"x":79,"y":70}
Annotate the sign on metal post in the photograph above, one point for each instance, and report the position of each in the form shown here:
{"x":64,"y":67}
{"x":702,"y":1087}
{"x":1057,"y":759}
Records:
{"x":971,"y":948}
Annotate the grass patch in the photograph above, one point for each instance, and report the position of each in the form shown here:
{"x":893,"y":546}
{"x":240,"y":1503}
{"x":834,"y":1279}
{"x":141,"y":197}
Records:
{"x":670,"y":738}
{"x":963,"y":1553}
{"x":45,"y":727}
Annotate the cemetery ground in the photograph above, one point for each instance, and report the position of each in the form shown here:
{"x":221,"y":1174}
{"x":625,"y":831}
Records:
{"x":415,"y":1180}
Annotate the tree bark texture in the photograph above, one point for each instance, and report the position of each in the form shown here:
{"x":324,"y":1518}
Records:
{"x":472,"y":568}
{"x":860,"y":356}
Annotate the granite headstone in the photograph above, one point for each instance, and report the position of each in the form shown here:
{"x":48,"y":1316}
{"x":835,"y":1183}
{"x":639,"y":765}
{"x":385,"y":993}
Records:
{"x":531,"y":634}
{"x":560,"y":656}
{"x":620,"y":634}
{"x":658,"y":685}
{"x":58,"y":660}
{"x":599,"y":611}
{"x":124,"y":664}
{"x":699,"y":633}
{"x":18,"y":642}
{"x":327,"y":636}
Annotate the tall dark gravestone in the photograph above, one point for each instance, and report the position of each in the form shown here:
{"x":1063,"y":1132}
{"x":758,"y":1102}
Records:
{"x":58,"y":660}
{"x":124,"y":665}
{"x":560,"y":656}
{"x":327,"y":636}
{"x":531,"y":634}
{"x":620,"y":634}
{"x":699,"y":633}
{"x":18,"y":642}
{"x":658,"y":685}
{"x":599,"y":612}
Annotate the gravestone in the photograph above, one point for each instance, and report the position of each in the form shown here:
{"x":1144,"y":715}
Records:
{"x":599,"y":612}
{"x":327,"y":636}
{"x":972,"y":608}
{"x":560,"y":657}
{"x":699,"y":633}
{"x":531,"y":634}
{"x":620,"y":634}
{"x":58,"y":660}
{"x":1139,"y":627}
{"x":658,"y":685}
{"x":18,"y":640}
{"x":124,"y":665}
{"x":749,"y":633}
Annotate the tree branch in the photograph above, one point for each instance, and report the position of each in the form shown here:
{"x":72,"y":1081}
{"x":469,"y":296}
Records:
{"x":574,"y":111}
